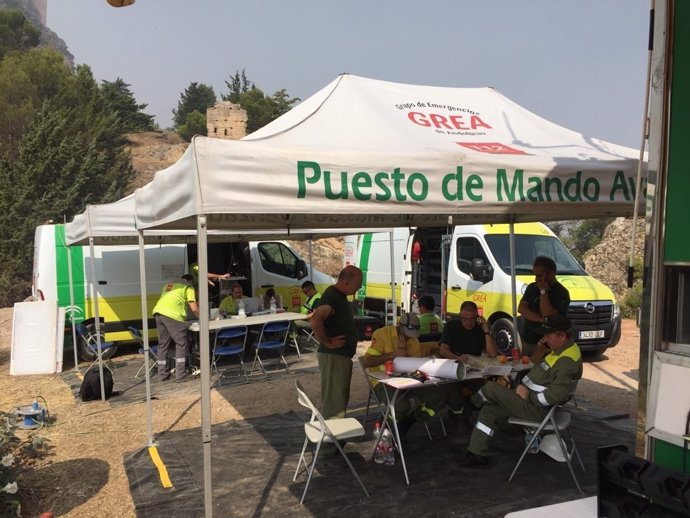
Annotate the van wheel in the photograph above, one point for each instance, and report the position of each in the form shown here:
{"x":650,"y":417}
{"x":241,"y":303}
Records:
{"x":503,"y":334}
{"x":88,"y":356}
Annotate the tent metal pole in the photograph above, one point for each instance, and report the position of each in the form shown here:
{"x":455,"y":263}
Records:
{"x":94,"y":295}
{"x":72,"y":308}
{"x":145,"y":338}
{"x":394,"y":303}
{"x":202,"y":261}
{"x":311,"y":260}
{"x":517,"y":342}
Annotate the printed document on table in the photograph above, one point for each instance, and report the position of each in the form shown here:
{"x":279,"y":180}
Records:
{"x":496,"y":370}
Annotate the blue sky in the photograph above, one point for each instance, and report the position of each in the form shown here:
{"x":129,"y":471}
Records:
{"x":579,"y":64}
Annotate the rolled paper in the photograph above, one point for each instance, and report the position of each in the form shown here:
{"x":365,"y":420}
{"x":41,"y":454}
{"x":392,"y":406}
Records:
{"x":436,"y":367}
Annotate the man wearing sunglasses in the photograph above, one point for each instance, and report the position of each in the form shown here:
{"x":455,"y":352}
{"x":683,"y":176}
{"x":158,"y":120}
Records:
{"x":464,"y":337}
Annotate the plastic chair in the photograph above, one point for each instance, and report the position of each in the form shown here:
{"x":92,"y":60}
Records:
{"x":153,"y":349}
{"x":319,"y":430}
{"x":306,"y":330}
{"x":557,"y":421}
{"x":273,"y":336}
{"x":91,"y":341}
{"x":230,"y":342}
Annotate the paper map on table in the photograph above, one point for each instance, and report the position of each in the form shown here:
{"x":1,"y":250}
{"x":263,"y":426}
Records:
{"x":496,"y":370}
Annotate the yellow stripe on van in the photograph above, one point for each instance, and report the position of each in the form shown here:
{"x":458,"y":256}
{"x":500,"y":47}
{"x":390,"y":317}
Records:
{"x":536,"y":229}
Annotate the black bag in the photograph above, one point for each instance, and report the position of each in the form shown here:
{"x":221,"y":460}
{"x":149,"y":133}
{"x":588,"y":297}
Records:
{"x":91,"y":386}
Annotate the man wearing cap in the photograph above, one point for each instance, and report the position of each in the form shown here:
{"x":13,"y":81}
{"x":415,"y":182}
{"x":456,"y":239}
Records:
{"x":170,"y":313}
{"x":543,"y":297}
{"x":552,"y":382}
{"x":401,"y":340}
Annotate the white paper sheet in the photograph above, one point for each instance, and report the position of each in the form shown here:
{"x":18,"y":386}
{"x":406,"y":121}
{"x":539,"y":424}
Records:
{"x":436,"y":367}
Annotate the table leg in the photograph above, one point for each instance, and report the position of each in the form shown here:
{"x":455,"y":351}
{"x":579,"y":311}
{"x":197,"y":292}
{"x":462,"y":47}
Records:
{"x":390,"y":411}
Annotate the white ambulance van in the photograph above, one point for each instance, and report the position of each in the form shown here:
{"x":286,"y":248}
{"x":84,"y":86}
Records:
{"x":258,"y":265}
{"x":472,"y":262}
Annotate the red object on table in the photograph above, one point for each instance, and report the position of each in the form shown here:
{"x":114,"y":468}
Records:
{"x":389,"y":367}
{"x":516,"y":354}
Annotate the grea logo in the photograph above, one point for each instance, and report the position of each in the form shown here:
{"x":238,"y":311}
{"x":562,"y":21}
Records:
{"x":448,"y":122}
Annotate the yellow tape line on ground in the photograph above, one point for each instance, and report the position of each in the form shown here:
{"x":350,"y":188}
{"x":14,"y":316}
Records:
{"x":162,"y":470}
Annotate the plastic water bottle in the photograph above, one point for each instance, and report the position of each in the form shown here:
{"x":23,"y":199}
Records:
{"x":388,"y":449}
{"x":379,"y":457}
{"x":535,"y":445}
{"x":273,"y":305}
{"x":240,"y":308}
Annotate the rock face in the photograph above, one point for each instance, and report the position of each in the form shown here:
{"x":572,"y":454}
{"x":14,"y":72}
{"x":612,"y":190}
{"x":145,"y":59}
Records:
{"x":608,"y":261}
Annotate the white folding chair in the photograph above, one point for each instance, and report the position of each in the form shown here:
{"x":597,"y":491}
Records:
{"x":557,"y":421}
{"x":319,"y":430}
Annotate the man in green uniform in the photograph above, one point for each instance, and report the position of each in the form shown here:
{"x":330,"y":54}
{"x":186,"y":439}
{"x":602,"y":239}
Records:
{"x":334,"y":326}
{"x":170,"y":313}
{"x":313,"y":297}
{"x":552,"y":382}
{"x":228,"y":306}
{"x":428,"y":322}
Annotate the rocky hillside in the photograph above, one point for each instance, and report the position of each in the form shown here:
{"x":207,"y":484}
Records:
{"x":607,"y":262}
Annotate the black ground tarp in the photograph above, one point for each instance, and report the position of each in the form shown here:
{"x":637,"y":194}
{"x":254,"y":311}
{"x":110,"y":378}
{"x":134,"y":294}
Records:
{"x":254,"y":461}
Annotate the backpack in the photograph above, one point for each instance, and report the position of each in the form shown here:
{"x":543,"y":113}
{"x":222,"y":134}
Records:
{"x":91,"y":385}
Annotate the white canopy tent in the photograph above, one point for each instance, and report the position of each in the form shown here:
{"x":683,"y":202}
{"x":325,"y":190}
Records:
{"x":364,"y":153}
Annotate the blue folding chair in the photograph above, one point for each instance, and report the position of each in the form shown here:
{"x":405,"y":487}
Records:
{"x":153,"y":350}
{"x":273,"y":336}
{"x":230,"y":342}
{"x":91,"y":342}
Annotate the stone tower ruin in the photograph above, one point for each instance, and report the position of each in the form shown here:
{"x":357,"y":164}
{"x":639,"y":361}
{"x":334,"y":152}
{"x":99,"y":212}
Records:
{"x":226,"y":120}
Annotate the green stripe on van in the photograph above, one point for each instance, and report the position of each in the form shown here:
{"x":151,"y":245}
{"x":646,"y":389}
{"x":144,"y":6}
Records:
{"x":62,"y":255}
{"x":364,"y":263}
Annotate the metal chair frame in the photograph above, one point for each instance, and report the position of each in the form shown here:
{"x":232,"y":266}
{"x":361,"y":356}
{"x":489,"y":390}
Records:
{"x":319,"y":430}
{"x":557,"y":421}
{"x":91,"y":341}
{"x":152,"y":351}
{"x":279,"y":330}
{"x":231,"y":333}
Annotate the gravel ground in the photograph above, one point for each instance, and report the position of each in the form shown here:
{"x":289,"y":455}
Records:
{"x":102,"y":433}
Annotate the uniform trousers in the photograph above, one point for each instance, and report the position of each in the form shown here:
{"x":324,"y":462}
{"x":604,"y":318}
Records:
{"x":171,"y":333}
{"x":498,"y":403}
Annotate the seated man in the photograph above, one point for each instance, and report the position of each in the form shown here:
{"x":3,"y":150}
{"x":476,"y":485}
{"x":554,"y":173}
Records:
{"x":552,"y":382}
{"x":313,"y":298}
{"x":462,"y":337}
{"x":396,"y":341}
{"x":428,"y":322}
{"x":228,"y":305}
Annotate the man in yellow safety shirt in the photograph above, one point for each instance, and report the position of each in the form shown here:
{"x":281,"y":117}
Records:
{"x":170,"y":313}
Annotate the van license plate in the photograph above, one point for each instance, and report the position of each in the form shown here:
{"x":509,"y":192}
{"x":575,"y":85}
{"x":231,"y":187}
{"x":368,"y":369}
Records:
{"x":586,"y":335}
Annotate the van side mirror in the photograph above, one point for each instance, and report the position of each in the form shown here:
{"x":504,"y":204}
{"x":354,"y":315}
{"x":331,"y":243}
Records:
{"x":481,"y":271}
{"x":301,"y":269}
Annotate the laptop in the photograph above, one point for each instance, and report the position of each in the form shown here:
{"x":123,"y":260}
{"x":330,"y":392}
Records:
{"x":251,"y":304}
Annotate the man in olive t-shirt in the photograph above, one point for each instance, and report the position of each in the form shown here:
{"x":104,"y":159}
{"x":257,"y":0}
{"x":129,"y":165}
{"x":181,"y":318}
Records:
{"x":334,"y":326}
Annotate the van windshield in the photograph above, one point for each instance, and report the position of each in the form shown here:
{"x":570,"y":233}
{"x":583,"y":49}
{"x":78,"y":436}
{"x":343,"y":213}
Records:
{"x":529,"y":247}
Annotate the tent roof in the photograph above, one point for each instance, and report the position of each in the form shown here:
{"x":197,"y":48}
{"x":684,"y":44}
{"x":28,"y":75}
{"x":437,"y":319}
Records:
{"x":368,"y":153}
{"x":113,"y":224}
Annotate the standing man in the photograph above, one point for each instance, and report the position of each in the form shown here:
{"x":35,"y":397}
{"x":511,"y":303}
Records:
{"x":552,"y":382}
{"x":464,"y":337}
{"x":543,"y":297}
{"x":334,"y":326}
{"x":170,"y":313}
{"x":428,"y":322}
